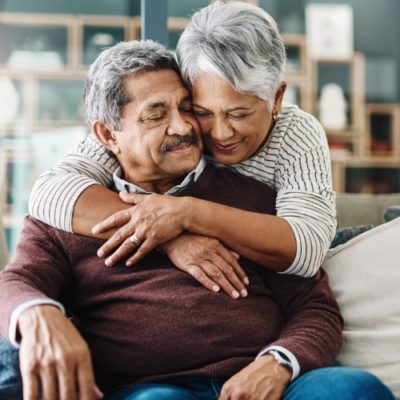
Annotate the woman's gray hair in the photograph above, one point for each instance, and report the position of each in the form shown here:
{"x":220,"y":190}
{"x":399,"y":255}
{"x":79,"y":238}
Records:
{"x":104,"y":93}
{"x":237,"y":41}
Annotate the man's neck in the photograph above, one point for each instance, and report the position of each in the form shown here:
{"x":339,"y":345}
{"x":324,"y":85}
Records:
{"x":171,"y":185}
{"x":158,"y":186}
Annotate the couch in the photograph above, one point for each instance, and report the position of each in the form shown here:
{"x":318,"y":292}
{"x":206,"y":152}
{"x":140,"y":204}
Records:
{"x":364,"y":209}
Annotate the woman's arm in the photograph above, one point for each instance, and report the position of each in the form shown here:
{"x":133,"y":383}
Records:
{"x":295,"y":241}
{"x":305,"y":197}
{"x":66,"y":196}
{"x":93,"y":205}
{"x":155,"y":219}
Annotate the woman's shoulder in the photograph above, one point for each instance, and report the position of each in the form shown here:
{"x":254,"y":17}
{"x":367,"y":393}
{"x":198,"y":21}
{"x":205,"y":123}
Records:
{"x":298,"y":124}
{"x":292,"y":114}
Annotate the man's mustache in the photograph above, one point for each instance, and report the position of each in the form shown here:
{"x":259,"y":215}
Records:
{"x":191,"y":138}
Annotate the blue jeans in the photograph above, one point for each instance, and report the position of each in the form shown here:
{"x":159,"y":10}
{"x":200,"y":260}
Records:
{"x":10,"y":377}
{"x":321,"y":384}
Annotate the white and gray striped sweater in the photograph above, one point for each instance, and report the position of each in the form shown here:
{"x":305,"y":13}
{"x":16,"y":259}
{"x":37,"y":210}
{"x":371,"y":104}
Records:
{"x":294,"y":161}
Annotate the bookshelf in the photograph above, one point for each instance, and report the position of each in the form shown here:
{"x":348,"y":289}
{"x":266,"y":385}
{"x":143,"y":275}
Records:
{"x":45,"y":57}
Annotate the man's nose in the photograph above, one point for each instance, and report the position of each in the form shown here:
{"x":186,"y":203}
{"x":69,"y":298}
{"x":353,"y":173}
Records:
{"x":179,"y":124}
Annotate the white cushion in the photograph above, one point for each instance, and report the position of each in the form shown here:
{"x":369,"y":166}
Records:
{"x":365,"y":276}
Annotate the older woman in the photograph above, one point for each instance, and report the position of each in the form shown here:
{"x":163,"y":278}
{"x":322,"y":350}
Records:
{"x":232,"y":57}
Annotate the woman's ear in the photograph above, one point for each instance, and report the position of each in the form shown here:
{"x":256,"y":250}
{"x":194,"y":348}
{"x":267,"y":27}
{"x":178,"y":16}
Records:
{"x":279,"y":97}
{"x":106,"y":136}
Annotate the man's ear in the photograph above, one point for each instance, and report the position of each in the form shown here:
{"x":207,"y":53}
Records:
{"x":106,"y":136}
{"x":279,"y":97}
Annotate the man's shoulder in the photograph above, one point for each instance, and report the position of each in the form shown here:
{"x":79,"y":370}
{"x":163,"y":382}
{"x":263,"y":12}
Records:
{"x":74,"y":246}
{"x":226,"y":176}
{"x":35,"y":227}
{"x":226,"y":186}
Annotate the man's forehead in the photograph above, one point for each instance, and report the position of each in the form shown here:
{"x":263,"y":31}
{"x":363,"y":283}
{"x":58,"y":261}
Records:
{"x":154,"y":89}
{"x":162,"y":99}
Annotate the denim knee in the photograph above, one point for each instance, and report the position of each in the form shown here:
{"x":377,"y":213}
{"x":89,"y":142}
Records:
{"x":164,"y":393}
{"x":10,"y":377}
{"x":337,"y":383}
{"x":152,"y":392}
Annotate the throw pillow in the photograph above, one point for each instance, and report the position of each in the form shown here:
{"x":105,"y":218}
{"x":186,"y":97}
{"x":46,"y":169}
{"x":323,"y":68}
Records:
{"x":365,"y":276}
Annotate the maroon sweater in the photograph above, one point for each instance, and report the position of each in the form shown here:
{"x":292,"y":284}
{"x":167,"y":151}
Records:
{"x":152,"y":320}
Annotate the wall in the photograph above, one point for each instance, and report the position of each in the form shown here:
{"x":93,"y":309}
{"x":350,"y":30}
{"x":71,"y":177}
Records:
{"x":376,"y":34}
{"x":376,"y":28}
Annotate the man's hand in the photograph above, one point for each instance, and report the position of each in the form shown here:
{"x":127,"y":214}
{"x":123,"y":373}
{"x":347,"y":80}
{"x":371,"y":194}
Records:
{"x":154,"y":220}
{"x":263,"y":379}
{"x":209,"y":262}
{"x":54,"y":359}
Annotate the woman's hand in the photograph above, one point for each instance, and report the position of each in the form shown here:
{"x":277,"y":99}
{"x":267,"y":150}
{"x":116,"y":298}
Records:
{"x":152,"y":221}
{"x":209,"y":262}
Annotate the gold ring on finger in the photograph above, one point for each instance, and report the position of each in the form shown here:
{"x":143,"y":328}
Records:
{"x":135,"y":240}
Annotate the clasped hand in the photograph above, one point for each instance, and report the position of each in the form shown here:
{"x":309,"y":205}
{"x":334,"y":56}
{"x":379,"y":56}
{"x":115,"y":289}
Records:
{"x":158,"y":221}
{"x":154,"y":220}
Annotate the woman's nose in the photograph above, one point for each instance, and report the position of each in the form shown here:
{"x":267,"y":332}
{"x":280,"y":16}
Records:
{"x":221,"y":131}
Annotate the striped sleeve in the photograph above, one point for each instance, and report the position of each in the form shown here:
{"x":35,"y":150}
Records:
{"x":56,"y":191}
{"x":305,"y":196}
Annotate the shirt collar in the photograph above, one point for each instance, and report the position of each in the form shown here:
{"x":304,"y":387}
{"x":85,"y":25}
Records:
{"x":123,"y":186}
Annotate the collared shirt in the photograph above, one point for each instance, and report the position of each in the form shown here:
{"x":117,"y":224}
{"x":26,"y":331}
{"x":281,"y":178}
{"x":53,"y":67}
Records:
{"x":123,"y":186}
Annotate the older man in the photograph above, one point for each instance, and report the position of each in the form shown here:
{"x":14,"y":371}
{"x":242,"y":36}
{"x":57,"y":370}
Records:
{"x":152,"y":332}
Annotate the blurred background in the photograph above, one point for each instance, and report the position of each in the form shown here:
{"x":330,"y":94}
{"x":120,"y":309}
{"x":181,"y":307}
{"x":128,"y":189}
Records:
{"x":343,"y":66}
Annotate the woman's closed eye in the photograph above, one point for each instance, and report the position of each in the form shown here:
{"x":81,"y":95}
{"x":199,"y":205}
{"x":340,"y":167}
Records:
{"x":239,"y":116}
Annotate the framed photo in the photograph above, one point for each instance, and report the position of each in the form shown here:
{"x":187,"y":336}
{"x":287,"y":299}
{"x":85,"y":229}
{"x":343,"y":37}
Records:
{"x":329,"y":29}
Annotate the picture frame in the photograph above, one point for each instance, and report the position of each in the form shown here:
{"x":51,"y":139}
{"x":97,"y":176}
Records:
{"x":329,"y":30}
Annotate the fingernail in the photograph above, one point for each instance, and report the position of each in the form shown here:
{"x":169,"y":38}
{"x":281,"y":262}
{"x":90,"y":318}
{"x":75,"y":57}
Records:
{"x":128,"y":263}
{"x":99,"y":393}
{"x":246,"y":281}
{"x":235,"y":294}
{"x":243,"y":292}
{"x":109,"y":262}
{"x":100,"y":253}
{"x":216,"y":288}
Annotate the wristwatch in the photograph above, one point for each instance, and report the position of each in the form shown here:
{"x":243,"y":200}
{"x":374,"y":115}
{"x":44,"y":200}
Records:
{"x":281,"y":359}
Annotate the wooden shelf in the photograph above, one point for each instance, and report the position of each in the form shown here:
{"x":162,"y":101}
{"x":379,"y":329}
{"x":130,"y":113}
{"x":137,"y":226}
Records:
{"x":356,"y":65}
{"x":382,"y":126}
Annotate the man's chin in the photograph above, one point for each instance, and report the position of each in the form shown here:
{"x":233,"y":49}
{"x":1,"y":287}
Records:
{"x":183,"y":162}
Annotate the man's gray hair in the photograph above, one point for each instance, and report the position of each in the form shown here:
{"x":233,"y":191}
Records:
{"x":237,"y":41}
{"x":104,"y":93}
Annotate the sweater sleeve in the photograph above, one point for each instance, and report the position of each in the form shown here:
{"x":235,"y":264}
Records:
{"x":305,"y":197}
{"x":56,"y":191}
{"x":39,"y":271}
{"x":313,"y":328}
